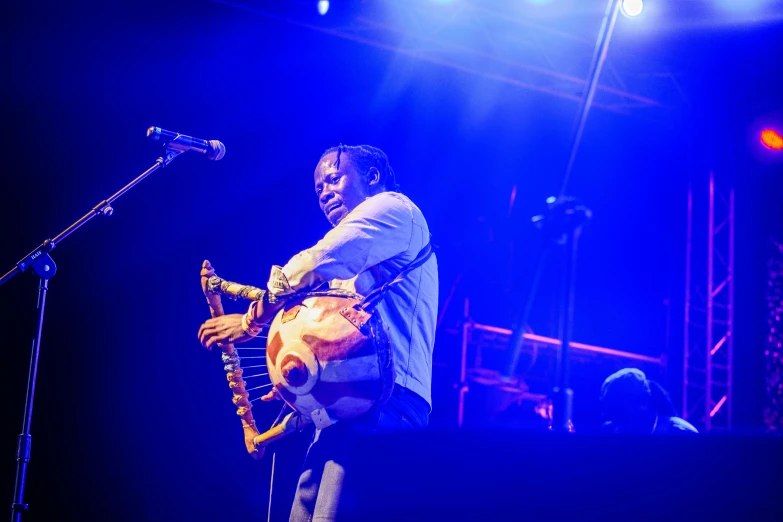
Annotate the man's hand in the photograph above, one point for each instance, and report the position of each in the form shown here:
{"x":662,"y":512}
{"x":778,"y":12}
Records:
{"x":271,"y":396}
{"x":222,"y":330}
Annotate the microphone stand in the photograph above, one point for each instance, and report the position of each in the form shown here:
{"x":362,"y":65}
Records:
{"x":563,"y":224}
{"x":43,"y":265}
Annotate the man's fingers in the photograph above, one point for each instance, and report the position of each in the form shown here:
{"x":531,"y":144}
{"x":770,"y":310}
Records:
{"x":212,"y":341}
{"x":202,"y":332}
{"x":219,"y":330}
{"x":209,"y":323}
{"x":205,"y":334}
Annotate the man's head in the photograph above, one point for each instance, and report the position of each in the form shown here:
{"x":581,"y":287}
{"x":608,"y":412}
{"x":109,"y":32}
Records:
{"x":626,"y":402}
{"x":347,"y":175}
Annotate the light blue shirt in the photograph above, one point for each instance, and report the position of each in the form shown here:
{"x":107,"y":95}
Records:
{"x":369,"y":247}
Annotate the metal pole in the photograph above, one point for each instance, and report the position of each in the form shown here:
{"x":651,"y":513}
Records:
{"x":24,"y":441}
{"x":686,"y":340}
{"x":599,"y":57}
{"x":730,"y":331}
{"x":463,"y":365}
{"x":710,"y":298}
{"x":271,"y":486}
{"x":563,"y":395}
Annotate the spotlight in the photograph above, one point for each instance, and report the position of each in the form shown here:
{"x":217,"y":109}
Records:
{"x":632,"y":7}
{"x":771,"y":139}
{"x":323,"y":7}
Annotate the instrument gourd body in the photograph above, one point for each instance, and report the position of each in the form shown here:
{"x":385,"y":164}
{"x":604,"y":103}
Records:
{"x":328,"y":358}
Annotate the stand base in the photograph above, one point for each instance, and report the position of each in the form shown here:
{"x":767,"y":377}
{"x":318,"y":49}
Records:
{"x":562,"y":408}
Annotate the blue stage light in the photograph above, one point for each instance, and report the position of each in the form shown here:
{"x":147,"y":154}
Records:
{"x":323,"y":7}
{"x":632,"y":7}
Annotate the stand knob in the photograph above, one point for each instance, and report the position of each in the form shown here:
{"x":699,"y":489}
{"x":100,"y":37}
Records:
{"x":44,"y":267}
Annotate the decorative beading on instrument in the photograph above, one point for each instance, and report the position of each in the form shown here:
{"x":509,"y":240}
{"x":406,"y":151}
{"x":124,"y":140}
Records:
{"x":249,"y":326}
{"x":218,"y":286}
{"x":231,"y":362}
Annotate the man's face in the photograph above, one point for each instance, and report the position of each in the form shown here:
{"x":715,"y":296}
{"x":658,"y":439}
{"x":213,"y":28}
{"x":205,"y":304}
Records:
{"x":339,"y":191}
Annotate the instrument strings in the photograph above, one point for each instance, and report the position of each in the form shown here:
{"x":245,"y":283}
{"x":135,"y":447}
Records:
{"x":258,"y":388}
{"x":251,"y":348}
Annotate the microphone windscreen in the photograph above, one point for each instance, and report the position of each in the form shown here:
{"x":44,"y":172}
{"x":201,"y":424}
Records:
{"x":216,"y":150}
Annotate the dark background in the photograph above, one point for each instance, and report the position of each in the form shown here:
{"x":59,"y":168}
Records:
{"x":132,"y":417}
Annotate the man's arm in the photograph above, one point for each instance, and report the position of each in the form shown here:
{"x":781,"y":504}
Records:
{"x":378,"y":229}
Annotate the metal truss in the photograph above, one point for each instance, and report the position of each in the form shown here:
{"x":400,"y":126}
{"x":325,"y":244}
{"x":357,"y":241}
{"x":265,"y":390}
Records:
{"x":709,"y":314}
{"x":497,"y":43}
{"x":485,"y":337}
{"x":773,"y":355}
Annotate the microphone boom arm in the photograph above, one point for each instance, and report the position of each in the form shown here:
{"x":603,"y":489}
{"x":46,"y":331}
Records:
{"x":104,"y":208}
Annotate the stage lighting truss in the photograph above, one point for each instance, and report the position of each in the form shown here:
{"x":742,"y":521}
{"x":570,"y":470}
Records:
{"x":709,"y":308}
{"x":498,"y":41}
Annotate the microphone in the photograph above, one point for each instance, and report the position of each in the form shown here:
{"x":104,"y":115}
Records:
{"x":214,"y":149}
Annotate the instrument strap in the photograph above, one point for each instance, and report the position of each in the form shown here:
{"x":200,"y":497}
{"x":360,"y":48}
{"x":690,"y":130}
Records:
{"x":374,"y":298}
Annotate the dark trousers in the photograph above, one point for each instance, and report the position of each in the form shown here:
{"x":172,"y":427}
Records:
{"x":323,"y":492}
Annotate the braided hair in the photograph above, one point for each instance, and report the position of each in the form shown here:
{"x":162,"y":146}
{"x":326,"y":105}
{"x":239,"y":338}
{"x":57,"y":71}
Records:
{"x":365,"y":157}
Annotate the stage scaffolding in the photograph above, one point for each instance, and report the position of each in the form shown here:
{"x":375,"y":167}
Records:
{"x":709,"y":311}
{"x":474,"y":334}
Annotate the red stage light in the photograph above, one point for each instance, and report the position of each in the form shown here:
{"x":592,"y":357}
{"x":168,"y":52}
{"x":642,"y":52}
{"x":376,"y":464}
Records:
{"x":771,"y":139}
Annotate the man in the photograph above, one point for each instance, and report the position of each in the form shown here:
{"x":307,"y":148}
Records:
{"x":377,"y":232}
{"x":632,"y":404}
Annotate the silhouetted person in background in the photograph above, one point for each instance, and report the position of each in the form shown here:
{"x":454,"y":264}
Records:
{"x":632,"y":404}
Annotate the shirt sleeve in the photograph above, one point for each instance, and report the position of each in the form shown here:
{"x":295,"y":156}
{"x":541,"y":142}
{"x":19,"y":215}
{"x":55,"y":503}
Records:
{"x":378,"y":229}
